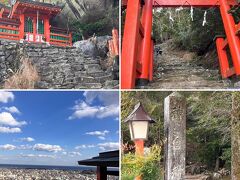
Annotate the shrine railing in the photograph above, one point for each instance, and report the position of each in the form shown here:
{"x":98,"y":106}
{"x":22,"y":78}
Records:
{"x":60,"y":37}
{"x":9,"y":29}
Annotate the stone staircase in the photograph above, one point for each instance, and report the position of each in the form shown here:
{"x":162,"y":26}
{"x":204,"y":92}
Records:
{"x":176,"y":70}
{"x":67,"y":68}
{"x":197,"y":177}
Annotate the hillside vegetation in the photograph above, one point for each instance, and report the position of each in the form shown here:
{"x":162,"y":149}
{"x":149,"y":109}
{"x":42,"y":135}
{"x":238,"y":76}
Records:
{"x":208,"y":125}
{"x":188,"y":27}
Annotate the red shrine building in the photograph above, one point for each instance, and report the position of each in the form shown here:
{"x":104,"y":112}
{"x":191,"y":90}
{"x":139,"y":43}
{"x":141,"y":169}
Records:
{"x":29,"y":21}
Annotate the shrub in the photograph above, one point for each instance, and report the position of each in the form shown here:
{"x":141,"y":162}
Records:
{"x":24,"y":78}
{"x":99,"y":23}
{"x":147,"y":166}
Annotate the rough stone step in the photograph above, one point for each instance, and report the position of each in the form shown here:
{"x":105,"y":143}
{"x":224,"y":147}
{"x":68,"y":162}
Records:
{"x":172,"y":75}
{"x":197,"y":177}
{"x":89,"y":86}
{"x":187,"y":85}
{"x":97,"y":74}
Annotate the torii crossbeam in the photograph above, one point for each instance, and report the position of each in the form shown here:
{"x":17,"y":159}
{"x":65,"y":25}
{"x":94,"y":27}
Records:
{"x":137,"y":45}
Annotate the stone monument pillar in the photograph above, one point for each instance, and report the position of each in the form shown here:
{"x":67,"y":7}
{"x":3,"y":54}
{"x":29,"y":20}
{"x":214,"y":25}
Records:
{"x":235,"y":136}
{"x":175,"y":136}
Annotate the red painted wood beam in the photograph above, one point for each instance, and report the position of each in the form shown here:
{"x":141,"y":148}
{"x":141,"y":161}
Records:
{"x":185,"y":3}
{"x":146,"y":42}
{"x":21,"y":26}
{"x":130,"y":45}
{"x":233,"y":40}
{"x":222,"y":56}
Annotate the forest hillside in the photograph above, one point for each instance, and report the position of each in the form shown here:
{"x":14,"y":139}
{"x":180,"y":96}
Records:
{"x":208,"y":147}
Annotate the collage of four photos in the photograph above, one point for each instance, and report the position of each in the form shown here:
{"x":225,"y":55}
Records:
{"x":119,"y":90}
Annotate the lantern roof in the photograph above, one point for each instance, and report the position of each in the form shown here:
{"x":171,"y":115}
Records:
{"x":139,"y":114}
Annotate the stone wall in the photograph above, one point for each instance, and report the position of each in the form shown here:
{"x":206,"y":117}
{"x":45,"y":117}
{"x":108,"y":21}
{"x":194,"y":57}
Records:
{"x":9,"y":59}
{"x":58,"y":67}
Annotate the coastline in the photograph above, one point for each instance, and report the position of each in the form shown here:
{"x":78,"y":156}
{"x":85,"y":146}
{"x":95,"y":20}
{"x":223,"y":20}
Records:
{"x":48,"y":174}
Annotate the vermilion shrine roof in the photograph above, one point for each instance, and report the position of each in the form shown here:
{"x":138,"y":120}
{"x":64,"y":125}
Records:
{"x":23,"y":6}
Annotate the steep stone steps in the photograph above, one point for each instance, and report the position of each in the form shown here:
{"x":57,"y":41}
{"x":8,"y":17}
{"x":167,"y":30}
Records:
{"x":69,"y":68}
{"x":197,"y":177}
{"x":175,"y":69}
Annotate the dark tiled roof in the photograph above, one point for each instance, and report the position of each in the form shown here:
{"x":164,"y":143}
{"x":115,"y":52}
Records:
{"x":109,"y":159}
{"x":40,"y":3}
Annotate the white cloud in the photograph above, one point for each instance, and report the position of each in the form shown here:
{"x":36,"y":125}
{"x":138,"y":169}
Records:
{"x":108,"y":111}
{"x":27,"y":139}
{"x":6,"y":96}
{"x":25,"y":147}
{"x":12,"y":109}
{"x":83,"y":146}
{"x":98,"y":133}
{"x":101,"y":137}
{"x":37,"y":156}
{"x":7,"y":119}
{"x":10,"y":130}
{"x":8,"y":147}
{"x":82,"y":109}
{"x":106,"y":97}
{"x":47,"y":147}
{"x":74,"y":154}
{"x":108,"y":146}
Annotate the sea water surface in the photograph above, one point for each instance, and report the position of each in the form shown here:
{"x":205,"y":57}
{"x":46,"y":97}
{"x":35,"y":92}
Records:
{"x":69,"y":168}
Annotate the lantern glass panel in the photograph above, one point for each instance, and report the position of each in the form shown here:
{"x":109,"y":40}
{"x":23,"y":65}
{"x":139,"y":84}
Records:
{"x":139,"y":129}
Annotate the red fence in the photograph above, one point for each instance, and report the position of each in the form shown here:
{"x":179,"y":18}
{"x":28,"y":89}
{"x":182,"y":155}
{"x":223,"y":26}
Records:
{"x":9,"y":29}
{"x":60,"y":37}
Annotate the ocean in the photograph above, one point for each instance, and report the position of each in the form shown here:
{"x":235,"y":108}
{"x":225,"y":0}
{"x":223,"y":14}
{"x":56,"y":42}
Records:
{"x":67,"y":168}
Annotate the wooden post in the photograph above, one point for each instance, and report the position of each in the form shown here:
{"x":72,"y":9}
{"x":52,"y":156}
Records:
{"x":21,"y":27}
{"x":34,"y":29}
{"x":139,"y":150}
{"x":47,"y":29}
{"x":175,"y":134}
{"x":101,"y":173}
{"x":70,"y":39}
{"x":235,"y":137}
{"x":115,"y":41}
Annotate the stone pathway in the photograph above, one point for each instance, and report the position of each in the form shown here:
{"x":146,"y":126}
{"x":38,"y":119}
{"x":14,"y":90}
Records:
{"x":174,"y":69}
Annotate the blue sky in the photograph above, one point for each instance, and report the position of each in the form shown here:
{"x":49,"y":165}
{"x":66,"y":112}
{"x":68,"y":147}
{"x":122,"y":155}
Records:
{"x":57,"y":127}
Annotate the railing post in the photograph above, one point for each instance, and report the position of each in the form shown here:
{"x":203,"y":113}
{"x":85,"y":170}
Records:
{"x":230,"y":30}
{"x":21,"y":26}
{"x":146,"y":43}
{"x":34,"y":29}
{"x":130,"y":45}
{"x":115,"y":41}
{"x":47,"y":29}
{"x":70,"y":39}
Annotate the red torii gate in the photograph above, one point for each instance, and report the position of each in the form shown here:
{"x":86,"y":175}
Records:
{"x":137,"y":44}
